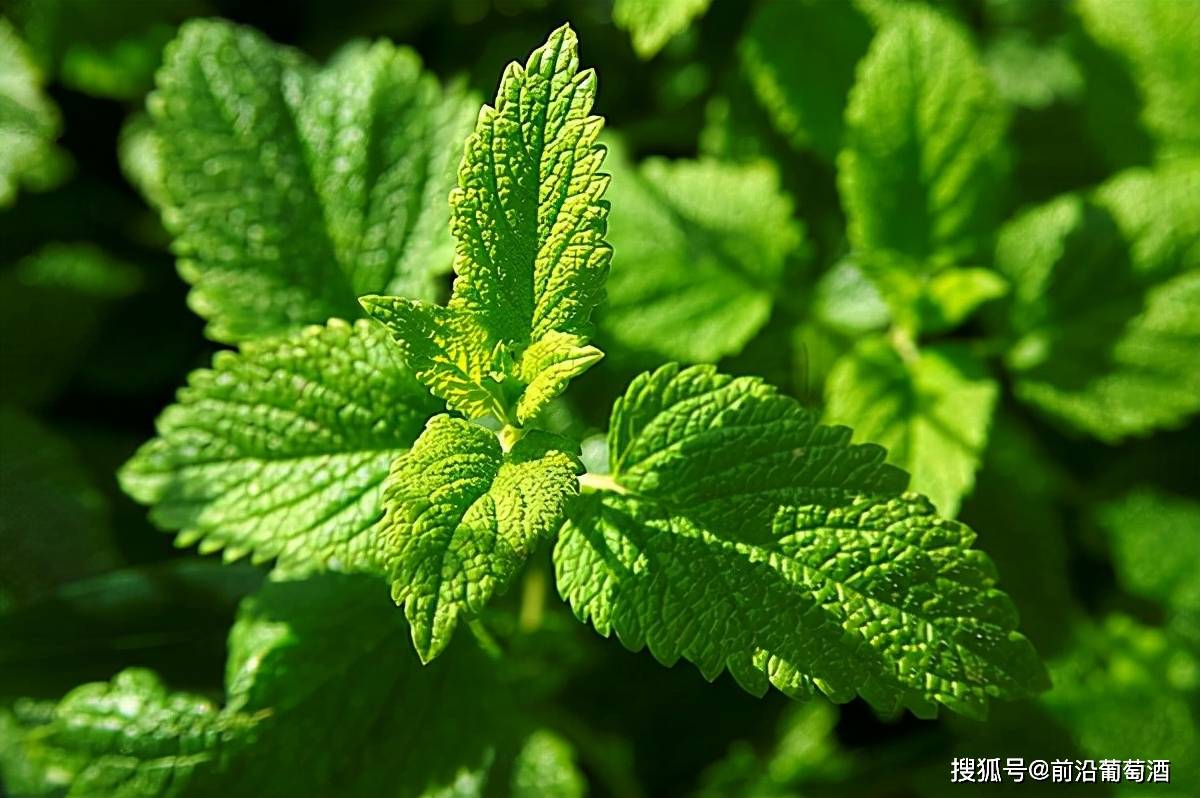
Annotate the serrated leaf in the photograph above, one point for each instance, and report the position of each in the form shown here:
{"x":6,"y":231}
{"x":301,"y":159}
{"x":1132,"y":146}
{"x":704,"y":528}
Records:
{"x":294,"y":190}
{"x":1158,"y":43}
{"x":799,"y":56}
{"x":280,"y":451}
{"x":546,"y":368}
{"x":931,"y":412}
{"x":461,"y":518}
{"x":921,"y":168}
{"x":1106,"y":326}
{"x":127,"y":738}
{"x":653,"y":23}
{"x":29,"y":123}
{"x":739,"y":534}
{"x":702,"y":247}
{"x":529,"y":223}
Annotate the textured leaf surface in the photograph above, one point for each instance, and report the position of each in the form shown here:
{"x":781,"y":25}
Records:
{"x":1106,"y":310}
{"x":799,"y":56}
{"x":701,"y":250}
{"x":1158,"y":42}
{"x":653,"y":23}
{"x":29,"y":122}
{"x":280,"y":451}
{"x":742,"y":535}
{"x":128,"y":738}
{"x":529,"y":226}
{"x":295,"y":190}
{"x":924,"y":155}
{"x":462,"y":516}
{"x":931,"y":412}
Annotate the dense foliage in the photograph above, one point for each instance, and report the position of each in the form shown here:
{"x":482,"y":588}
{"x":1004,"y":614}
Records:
{"x":844,"y":358}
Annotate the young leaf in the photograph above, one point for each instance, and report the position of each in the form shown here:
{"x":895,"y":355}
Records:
{"x":128,"y":738}
{"x":921,"y":169}
{"x":462,"y":516}
{"x":1106,"y":326}
{"x":295,"y":190}
{"x":931,"y":411}
{"x":653,"y":23}
{"x":799,"y":56}
{"x":1157,"y":42}
{"x":29,"y":123}
{"x":529,"y":224}
{"x":741,"y":535}
{"x":702,"y":247}
{"x":280,"y":450}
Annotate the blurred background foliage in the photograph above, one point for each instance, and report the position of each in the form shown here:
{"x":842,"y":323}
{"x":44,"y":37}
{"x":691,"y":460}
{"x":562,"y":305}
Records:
{"x":725,"y":121}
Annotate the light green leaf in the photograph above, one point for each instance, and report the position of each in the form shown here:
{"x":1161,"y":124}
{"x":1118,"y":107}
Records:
{"x":1158,"y":214}
{"x":739,"y":534}
{"x":127,"y":738}
{"x":702,"y":247}
{"x":931,"y":411}
{"x":799,"y":57}
{"x":545,"y":768}
{"x":1106,"y":327}
{"x":29,"y":123}
{"x":1155,"y":542}
{"x":653,"y":23}
{"x":1158,"y":42}
{"x":547,"y":366}
{"x":139,"y":151}
{"x":529,"y":224}
{"x":462,"y":516}
{"x":280,"y":451}
{"x":1032,"y":74}
{"x":295,"y":190}
{"x":952,"y":295}
{"x":924,"y":157}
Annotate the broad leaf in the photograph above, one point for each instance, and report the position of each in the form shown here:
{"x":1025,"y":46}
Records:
{"x":1158,"y":43}
{"x":737,"y":533}
{"x":29,"y":123}
{"x":923,"y":160}
{"x":529,"y":226}
{"x":292,"y":190}
{"x":462,"y":516}
{"x":931,"y":410}
{"x":1106,"y":310}
{"x":702,"y":247}
{"x":653,"y":23}
{"x":800,"y":56}
{"x":280,"y":451}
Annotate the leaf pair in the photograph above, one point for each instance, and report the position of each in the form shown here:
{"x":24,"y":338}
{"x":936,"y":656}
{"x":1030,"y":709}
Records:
{"x":530,"y":256}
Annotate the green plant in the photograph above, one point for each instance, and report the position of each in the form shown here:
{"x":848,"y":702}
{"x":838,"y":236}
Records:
{"x":730,"y":408}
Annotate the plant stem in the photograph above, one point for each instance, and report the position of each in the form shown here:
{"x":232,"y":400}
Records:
{"x":533,"y":599}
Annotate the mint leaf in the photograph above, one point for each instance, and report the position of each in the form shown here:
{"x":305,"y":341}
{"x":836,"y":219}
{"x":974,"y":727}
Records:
{"x":29,"y":123}
{"x":1155,"y":541}
{"x":1156,"y":42}
{"x":126,"y":738}
{"x":529,"y":224}
{"x":653,"y":23}
{"x":702,"y":247}
{"x":737,"y":533}
{"x":279,"y":451}
{"x":921,"y":169}
{"x":295,"y":190}
{"x":930,"y":410}
{"x":1105,"y":319}
{"x":462,"y":516}
{"x":784,"y":47}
